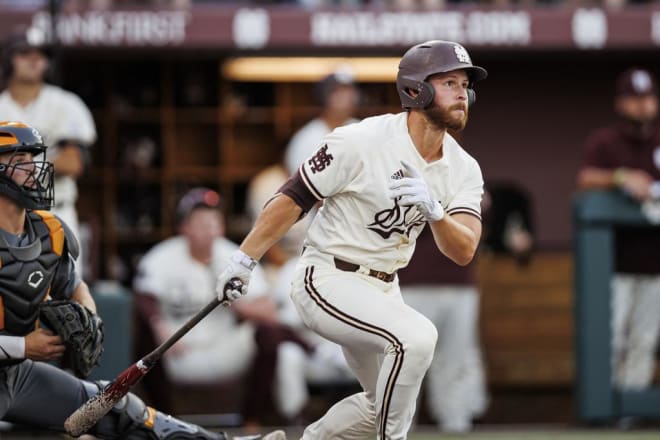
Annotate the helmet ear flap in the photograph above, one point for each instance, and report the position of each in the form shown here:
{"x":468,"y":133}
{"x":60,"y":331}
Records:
{"x":424,"y":97}
{"x":472,"y":96}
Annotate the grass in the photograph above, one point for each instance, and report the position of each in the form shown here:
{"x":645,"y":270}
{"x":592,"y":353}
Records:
{"x":524,"y":433}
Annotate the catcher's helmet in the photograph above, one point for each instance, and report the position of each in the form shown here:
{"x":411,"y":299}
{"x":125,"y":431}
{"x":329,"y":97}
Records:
{"x":36,"y":190}
{"x":429,"y":58}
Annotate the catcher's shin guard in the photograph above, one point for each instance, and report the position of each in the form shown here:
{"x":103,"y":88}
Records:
{"x":131,"y":419}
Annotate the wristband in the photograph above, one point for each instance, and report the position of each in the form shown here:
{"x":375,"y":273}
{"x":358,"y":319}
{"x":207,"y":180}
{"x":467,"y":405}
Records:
{"x":12,"y":347}
{"x":244,"y":259}
{"x":618,"y":177}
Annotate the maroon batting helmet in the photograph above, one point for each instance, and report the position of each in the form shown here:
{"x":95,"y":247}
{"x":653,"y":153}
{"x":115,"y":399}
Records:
{"x":429,"y":58}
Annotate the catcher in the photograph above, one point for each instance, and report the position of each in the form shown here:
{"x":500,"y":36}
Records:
{"x":37,"y":255}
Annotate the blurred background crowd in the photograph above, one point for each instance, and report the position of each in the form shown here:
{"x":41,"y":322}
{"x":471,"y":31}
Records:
{"x":166,"y":154}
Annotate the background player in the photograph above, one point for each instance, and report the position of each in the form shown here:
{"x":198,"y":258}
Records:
{"x":60,"y":116}
{"x":626,"y":156}
{"x":381,"y":181}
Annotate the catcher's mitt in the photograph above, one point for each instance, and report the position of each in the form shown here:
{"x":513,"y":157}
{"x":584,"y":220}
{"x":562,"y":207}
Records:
{"x":80,"y":329}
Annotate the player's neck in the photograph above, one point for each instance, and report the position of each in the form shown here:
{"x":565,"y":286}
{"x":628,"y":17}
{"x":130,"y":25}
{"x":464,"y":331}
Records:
{"x":427,"y":138}
{"x":333,"y":121}
{"x":202,"y":255}
{"x":24,"y":93}
{"x":12,"y":218}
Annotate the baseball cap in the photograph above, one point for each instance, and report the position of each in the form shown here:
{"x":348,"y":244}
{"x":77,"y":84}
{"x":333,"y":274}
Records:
{"x":25,"y":39}
{"x":343,"y":75}
{"x":197,"y":198}
{"x":636,"y":82}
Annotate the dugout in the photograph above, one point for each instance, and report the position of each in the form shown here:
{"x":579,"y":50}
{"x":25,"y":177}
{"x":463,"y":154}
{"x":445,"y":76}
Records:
{"x":156,"y":82}
{"x":596,"y":215}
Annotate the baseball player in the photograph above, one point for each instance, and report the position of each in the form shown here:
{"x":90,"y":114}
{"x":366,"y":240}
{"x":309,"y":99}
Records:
{"x":60,"y":116}
{"x":339,"y":97}
{"x":626,"y":156}
{"x":37,"y":251}
{"x":381,"y":181}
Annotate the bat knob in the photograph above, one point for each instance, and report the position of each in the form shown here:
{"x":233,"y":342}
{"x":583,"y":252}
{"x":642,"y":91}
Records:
{"x":233,"y":284}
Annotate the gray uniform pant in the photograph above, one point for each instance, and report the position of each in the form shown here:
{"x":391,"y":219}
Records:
{"x":40,"y":395}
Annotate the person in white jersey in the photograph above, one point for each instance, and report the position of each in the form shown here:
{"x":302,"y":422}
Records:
{"x":60,"y":116}
{"x":339,"y":96}
{"x":381,"y":181}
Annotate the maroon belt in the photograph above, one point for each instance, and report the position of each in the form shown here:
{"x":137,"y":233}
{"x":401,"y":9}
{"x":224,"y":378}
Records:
{"x":352,"y":267}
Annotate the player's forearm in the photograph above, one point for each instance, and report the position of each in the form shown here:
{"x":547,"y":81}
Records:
{"x":83,"y":296}
{"x":69,"y":161}
{"x":271,"y":225}
{"x":596,"y":178}
{"x":457,"y":240}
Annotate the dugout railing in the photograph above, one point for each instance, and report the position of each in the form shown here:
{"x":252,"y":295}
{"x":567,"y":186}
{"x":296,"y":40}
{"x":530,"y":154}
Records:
{"x":596,"y":216}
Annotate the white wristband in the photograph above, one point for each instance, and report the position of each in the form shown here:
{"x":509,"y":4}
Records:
{"x":437,"y":214}
{"x":655,"y":190}
{"x":12,"y":347}
{"x":244,"y":259}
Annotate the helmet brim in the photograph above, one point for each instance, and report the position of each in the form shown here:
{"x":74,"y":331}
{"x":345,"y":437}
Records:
{"x":476,"y":73}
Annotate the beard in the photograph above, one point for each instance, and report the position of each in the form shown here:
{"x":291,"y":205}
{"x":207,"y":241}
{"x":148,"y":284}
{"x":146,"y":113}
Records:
{"x":442,"y":118}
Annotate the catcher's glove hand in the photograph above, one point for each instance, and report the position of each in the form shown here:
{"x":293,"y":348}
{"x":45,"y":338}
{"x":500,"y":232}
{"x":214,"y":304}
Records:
{"x":80,"y":329}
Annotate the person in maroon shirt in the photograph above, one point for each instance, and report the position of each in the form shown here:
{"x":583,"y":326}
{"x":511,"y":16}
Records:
{"x":626,"y":157}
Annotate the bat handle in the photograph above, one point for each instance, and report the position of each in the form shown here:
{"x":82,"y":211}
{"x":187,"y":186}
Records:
{"x":234,"y":283}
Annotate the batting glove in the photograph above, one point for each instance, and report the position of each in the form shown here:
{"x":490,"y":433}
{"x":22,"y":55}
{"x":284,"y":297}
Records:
{"x":233,"y":282}
{"x":414,"y":191}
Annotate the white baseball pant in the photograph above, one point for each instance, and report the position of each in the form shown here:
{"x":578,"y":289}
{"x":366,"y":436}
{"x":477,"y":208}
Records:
{"x":388,"y":345}
{"x":635,"y":328}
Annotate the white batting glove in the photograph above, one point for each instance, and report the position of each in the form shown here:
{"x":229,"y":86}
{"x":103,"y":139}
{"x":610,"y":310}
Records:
{"x":233,"y":282}
{"x":413,"y":191}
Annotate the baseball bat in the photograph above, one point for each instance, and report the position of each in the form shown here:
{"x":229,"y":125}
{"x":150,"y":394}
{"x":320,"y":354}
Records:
{"x":101,"y":403}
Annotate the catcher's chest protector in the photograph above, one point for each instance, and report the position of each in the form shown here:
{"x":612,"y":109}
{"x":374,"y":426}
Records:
{"x":26,"y":273}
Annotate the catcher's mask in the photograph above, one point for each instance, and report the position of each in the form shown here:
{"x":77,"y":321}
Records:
{"x":426,"y":59}
{"x":29,"y":183}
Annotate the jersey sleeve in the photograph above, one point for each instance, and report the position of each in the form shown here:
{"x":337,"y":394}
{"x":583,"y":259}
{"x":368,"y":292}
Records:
{"x":148,"y":279}
{"x":595,"y":154}
{"x":79,"y":127}
{"x":335,"y":165}
{"x":468,"y":199}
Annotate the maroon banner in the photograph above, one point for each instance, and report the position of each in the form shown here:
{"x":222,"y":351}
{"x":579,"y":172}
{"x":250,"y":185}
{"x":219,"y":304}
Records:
{"x":276,"y":28}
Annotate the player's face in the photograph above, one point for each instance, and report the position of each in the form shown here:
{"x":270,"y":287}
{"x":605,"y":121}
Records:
{"x":29,"y":65}
{"x":638,"y":108}
{"x":20,"y":167}
{"x":449,"y":109}
{"x":202,"y":227}
{"x":343,"y":101}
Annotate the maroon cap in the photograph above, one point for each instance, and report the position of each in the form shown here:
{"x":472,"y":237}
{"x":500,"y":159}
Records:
{"x":197,"y":198}
{"x":636,"y":82}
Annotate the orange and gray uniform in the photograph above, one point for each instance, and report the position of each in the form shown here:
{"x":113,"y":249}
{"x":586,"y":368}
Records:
{"x":35,"y":266}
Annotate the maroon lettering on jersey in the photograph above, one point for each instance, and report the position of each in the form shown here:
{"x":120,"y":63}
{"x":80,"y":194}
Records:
{"x":320,"y":160}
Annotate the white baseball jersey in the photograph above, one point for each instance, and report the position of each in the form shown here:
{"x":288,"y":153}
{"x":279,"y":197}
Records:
{"x":353,"y":170}
{"x":305,"y":142}
{"x":58,"y":115}
{"x":184,"y":286}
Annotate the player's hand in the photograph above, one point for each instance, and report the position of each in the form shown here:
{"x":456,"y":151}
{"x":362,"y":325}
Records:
{"x":43,"y":345}
{"x":636,"y":183}
{"x":412,"y":190}
{"x":233,"y":282}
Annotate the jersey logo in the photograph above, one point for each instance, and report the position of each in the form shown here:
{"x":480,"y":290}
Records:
{"x":398,"y":175}
{"x":320,"y":160}
{"x":398,"y":219}
{"x":35,"y":278}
